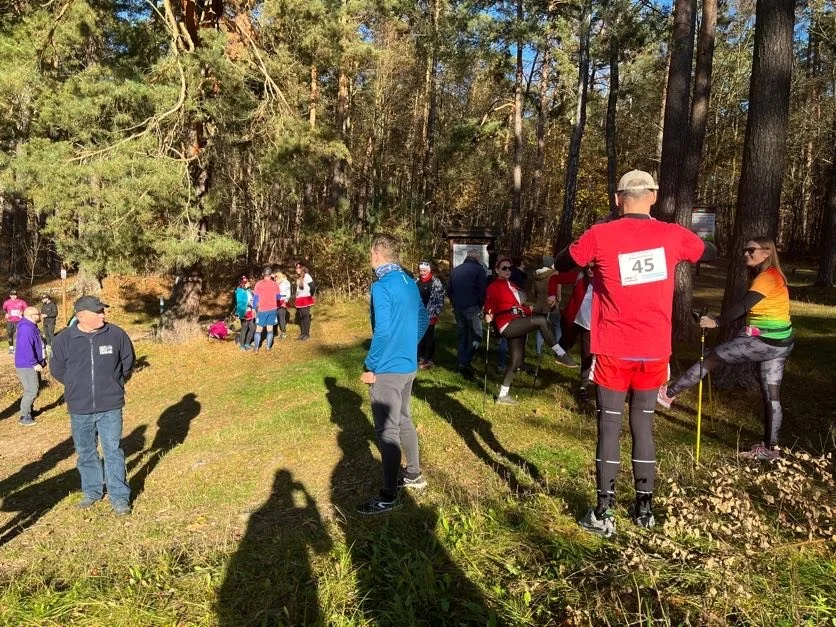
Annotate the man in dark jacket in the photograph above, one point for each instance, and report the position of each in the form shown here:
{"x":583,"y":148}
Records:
{"x":467,"y":295}
{"x":29,"y":362}
{"x":49,"y":313}
{"x":93,"y":359}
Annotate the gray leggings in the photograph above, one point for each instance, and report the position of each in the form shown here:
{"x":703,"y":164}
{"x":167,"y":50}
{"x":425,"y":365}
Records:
{"x":608,"y":454}
{"x":747,"y":349}
{"x":391,"y":395}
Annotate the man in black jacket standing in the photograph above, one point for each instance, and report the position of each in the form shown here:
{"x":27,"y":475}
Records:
{"x":93,"y":359}
{"x":49,"y":313}
{"x":467,"y":295}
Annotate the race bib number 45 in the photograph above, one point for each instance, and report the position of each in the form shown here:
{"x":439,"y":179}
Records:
{"x":644,"y":266}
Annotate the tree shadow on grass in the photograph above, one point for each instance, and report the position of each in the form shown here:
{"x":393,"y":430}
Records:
{"x":404,"y":574}
{"x":172,"y":429}
{"x":34,"y":501}
{"x":270,"y":579}
{"x":477,"y":433}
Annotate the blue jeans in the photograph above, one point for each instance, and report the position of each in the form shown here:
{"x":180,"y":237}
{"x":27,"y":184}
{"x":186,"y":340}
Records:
{"x":106,"y":427}
{"x":468,"y":331}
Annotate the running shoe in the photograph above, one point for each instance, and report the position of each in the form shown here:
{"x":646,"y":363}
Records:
{"x":583,"y":394}
{"x":566,"y":360}
{"x":418,"y":482}
{"x":27,"y":421}
{"x":643,"y":511}
{"x":663,"y":399}
{"x":600,"y":524}
{"x":426,"y":365}
{"x":506,"y":399}
{"x":377,"y":505}
{"x":761,"y":452}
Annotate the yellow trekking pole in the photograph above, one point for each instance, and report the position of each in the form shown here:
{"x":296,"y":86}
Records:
{"x":699,"y":389}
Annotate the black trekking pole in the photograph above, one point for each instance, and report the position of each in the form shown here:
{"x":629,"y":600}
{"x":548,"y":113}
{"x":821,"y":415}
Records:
{"x":485,"y":389}
{"x":698,"y":316}
{"x":539,"y":357}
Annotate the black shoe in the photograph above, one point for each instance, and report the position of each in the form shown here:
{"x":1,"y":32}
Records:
{"x":643,"y":511}
{"x":377,"y":505}
{"x":583,"y":395}
{"x":566,"y":360}
{"x":466,"y":371}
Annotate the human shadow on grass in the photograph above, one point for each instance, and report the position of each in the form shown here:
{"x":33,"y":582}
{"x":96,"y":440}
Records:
{"x":270,"y":579}
{"x":404,"y":575}
{"x":172,"y":429}
{"x":36,"y":499}
{"x":477,"y":433}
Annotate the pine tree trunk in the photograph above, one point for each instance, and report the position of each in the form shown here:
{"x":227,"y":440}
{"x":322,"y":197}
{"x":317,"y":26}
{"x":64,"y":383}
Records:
{"x":683,"y":330}
{"x":824,"y":277}
{"x":430,"y":121}
{"x":179,"y":321}
{"x":537,"y":207}
{"x":515,"y":235}
{"x":612,"y":129}
{"x":764,"y":147}
{"x":564,"y":231}
{"x":675,"y":129}
{"x":314,"y":97}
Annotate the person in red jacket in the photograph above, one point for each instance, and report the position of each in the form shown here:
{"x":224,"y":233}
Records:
{"x":504,"y":305}
{"x":575,"y":323}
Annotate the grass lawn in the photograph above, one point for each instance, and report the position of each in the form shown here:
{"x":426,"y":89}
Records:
{"x":246,"y":470}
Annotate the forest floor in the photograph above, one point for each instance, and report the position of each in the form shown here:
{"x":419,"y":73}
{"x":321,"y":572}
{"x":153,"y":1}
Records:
{"x":246,"y":469}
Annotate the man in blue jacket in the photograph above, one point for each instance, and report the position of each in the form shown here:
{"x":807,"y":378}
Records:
{"x":399,"y":320}
{"x":93,"y":359}
{"x":29,"y":361}
{"x":467,"y":295}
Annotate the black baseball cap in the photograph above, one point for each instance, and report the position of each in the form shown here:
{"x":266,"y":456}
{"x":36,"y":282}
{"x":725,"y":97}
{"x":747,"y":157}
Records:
{"x":89,"y":303}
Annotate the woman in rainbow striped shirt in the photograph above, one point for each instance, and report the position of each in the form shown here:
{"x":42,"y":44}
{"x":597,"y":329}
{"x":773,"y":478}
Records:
{"x":766,"y":339}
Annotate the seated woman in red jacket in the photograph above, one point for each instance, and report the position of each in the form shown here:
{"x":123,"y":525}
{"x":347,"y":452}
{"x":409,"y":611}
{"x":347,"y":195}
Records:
{"x":504,"y":305}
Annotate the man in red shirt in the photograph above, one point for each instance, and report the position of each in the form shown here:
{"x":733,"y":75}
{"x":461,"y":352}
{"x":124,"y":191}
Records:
{"x":635,"y":259}
{"x":265,"y":300}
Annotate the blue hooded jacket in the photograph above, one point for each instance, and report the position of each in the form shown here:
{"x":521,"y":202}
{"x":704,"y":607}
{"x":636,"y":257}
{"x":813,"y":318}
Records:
{"x":399,"y":320}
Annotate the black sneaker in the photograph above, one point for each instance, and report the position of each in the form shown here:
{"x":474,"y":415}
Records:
{"x":583,"y":395}
{"x":643,"y":511}
{"x":419,"y":482}
{"x":466,"y":371}
{"x":602,"y":524}
{"x":377,"y":505}
{"x":566,"y":360}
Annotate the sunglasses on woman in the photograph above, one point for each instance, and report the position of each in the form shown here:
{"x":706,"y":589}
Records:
{"x":751,"y":250}
{"x":505,"y":268}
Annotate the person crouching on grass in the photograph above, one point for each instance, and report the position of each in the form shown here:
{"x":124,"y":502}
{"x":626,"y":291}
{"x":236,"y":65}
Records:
{"x":399,"y":320}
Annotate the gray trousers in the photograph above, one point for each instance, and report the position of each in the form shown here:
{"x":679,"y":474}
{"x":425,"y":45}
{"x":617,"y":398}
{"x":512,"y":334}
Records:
{"x":747,"y":349}
{"x":391,"y":395}
{"x":31,"y":380}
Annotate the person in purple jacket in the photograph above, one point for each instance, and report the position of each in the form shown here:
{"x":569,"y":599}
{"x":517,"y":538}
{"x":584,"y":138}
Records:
{"x":29,"y":361}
